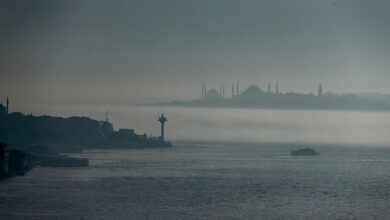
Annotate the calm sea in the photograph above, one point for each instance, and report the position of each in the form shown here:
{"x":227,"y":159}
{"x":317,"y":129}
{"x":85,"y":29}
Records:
{"x":208,"y":181}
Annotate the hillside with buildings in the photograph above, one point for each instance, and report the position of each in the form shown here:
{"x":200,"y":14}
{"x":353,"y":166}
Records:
{"x":68,"y":134}
{"x":255,"y":97}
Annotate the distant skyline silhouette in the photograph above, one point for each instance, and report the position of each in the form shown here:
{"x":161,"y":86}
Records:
{"x":255,"y":97}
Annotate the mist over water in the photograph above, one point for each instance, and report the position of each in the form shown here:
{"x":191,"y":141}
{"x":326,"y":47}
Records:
{"x":239,"y":125}
{"x":86,"y":58}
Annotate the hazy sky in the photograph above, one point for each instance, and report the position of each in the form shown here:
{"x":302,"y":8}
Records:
{"x":128,"y":51}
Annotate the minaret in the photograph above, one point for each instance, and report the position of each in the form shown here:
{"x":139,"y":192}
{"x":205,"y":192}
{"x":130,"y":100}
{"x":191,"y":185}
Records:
{"x":162,"y":119}
{"x":202,"y":90}
{"x":269,"y":87}
{"x":232,"y":89}
{"x":320,"y":91}
{"x":7,"y":105}
{"x":205,"y":89}
{"x":276,"y":88}
{"x":106,"y":116}
{"x":223,"y":89}
{"x":237,"y":89}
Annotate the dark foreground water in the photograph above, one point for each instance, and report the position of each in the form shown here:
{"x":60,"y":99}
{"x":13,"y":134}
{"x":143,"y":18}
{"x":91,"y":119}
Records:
{"x":207,"y":181}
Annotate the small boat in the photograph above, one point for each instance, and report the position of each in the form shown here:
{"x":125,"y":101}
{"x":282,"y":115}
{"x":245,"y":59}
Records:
{"x":304,"y":152}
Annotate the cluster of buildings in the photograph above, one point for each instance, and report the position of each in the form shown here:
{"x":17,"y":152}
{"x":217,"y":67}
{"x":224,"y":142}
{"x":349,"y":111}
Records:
{"x":13,"y":162}
{"x":214,"y":94}
{"x":124,"y":136}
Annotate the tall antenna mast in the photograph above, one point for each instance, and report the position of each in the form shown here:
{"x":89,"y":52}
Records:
{"x":7,"y":105}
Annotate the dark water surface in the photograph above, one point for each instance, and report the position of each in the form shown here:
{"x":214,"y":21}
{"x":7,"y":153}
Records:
{"x":207,"y":181}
